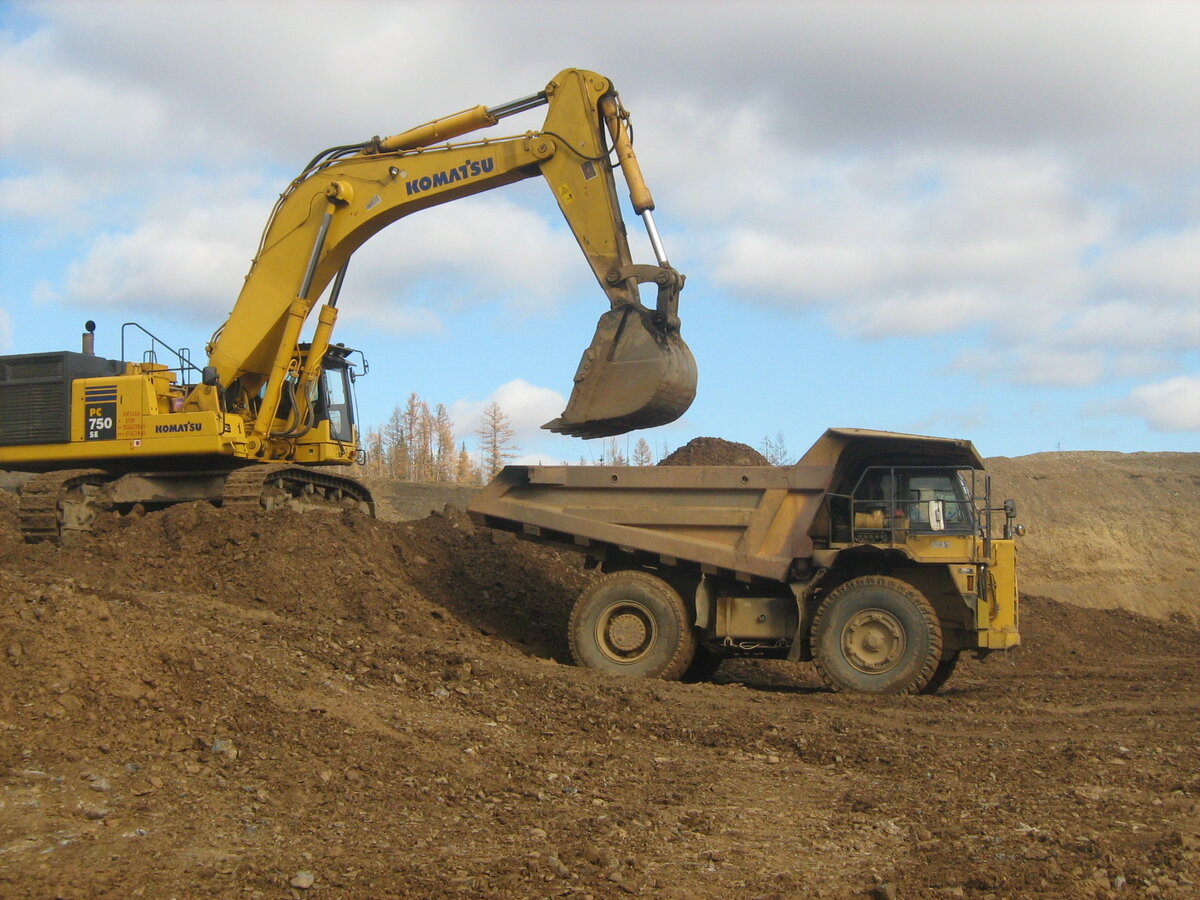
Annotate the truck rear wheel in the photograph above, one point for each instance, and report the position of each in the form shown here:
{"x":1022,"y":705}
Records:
{"x":876,"y":635}
{"x":632,"y":623}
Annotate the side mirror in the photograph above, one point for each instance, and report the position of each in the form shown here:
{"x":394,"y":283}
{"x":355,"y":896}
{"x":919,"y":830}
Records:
{"x":208,"y":376}
{"x":937,"y":515}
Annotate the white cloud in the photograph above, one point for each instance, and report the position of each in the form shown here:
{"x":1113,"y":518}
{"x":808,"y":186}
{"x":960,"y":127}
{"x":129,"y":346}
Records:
{"x":189,"y":256}
{"x":59,"y":112}
{"x":1040,"y":365}
{"x":526,"y":405}
{"x":1126,"y":325}
{"x":1161,"y":265}
{"x":1057,"y":368}
{"x":51,"y":197}
{"x":481,"y":250}
{"x":921,"y":245}
{"x":907,"y":314}
{"x":190,"y":264}
{"x":1139,"y":366}
{"x":5,"y":331}
{"x":1172,"y":405}
{"x":387,"y":316}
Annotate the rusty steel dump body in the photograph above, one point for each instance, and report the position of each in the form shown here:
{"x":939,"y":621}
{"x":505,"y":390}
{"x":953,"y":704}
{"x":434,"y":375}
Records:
{"x":747,"y":521}
{"x":872,"y":556}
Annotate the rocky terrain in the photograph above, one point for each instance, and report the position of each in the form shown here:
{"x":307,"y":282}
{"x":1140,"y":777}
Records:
{"x":210,"y":703}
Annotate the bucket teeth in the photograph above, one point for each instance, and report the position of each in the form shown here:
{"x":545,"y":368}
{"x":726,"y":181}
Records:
{"x":632,"y":375}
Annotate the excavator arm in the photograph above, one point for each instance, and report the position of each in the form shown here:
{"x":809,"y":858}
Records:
{"x":636,"y":373}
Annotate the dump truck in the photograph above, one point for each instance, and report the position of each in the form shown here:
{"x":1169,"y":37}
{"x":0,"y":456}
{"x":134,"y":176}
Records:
{"x":874,"y":556}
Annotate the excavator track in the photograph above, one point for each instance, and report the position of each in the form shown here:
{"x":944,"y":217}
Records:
{"x":58,"y":505}
{"x":270,"y":486}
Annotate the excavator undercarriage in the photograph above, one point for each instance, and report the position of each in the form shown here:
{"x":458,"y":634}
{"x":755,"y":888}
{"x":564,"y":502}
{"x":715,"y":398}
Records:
{"x":61,"y":505}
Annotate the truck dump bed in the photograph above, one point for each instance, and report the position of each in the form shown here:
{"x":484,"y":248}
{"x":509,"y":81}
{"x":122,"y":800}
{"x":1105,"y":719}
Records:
{"x":744,"y":520}
{"x":748,"y":520}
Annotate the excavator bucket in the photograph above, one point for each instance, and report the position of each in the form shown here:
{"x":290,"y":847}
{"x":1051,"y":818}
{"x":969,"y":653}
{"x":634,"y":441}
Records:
{"x":632,"y":375}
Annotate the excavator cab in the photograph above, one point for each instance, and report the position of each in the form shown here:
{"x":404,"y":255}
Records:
{"x":322,"y":426}
{"x":335,"y":395}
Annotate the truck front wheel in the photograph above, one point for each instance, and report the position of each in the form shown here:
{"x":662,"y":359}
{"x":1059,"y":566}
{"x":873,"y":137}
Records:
{"x":876,"y":635}
{"x":632,"y":623}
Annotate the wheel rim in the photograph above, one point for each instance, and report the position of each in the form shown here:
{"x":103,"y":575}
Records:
{"x":873,"y":641}
{"x":626,"y":631}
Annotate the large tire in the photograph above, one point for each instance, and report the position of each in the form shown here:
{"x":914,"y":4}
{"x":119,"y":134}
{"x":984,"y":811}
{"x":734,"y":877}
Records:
{"x":941,"y":674}
{"x":876,"y":635}
{"x":632,"y":623}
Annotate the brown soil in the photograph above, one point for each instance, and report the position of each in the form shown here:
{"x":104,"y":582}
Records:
{"x":708,"y":451}
{"x":208,"y":703}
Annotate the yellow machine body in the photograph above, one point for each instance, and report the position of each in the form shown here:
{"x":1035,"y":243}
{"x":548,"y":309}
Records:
{"x":270,"y":395}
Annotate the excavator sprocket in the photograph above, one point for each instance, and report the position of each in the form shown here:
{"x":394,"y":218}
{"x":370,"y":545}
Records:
{"x":632,"y":375}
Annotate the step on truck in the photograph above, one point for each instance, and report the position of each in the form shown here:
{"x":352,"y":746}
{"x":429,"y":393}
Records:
{"x":878,"y":556}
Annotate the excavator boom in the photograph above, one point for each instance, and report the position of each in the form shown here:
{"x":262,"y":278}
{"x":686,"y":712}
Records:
{"x":637,"y":372}
{"x":270,"y":408}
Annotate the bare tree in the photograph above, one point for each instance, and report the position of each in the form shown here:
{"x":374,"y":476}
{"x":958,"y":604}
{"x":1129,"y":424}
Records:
{"x":775,"y":450}
{"x":612,"y":453}
{"x":395,"y":446}
{"x":495,"y":439}
{"x":418,"y":429}
{"x":642,"y":454}
{"x":465,"y":472}
{"x":446,"y":457}
{"x":376,"y":464}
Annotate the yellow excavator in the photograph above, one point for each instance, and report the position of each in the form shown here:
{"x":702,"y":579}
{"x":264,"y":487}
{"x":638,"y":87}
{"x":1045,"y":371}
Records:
{"x":254,"y":424}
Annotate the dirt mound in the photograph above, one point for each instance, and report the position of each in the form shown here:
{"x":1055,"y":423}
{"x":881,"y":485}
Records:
{"x":710,"y":451}
{"x":400,"y":501}
{"x":200,"y":702}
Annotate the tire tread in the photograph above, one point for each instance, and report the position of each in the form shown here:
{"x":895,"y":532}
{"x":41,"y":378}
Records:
{"x":685,"y":648}
{"x":924,"y":608}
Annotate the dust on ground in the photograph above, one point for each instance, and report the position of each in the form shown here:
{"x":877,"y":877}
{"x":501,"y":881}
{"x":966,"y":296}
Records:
{"x":213,"y":703}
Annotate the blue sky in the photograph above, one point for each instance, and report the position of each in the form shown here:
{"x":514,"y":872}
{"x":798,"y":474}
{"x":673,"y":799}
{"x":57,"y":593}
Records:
{"x":978,"y":220}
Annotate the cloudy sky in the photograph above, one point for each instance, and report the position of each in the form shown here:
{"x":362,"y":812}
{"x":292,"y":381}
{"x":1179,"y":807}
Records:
{"x":973,"y":219}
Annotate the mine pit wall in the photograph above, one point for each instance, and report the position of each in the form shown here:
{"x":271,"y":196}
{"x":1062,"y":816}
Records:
{"x":1108,"y":530}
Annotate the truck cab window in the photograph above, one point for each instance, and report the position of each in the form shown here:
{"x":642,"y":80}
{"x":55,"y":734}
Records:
{"x":922,"y":491}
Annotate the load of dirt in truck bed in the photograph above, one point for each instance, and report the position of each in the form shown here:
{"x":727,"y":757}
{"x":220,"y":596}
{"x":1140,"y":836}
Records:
{"x":200,"y":702}
{"x":710,"y":451}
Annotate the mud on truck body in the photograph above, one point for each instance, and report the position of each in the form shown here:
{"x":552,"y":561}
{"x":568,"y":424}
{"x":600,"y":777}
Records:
{"x":874,"y":556}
